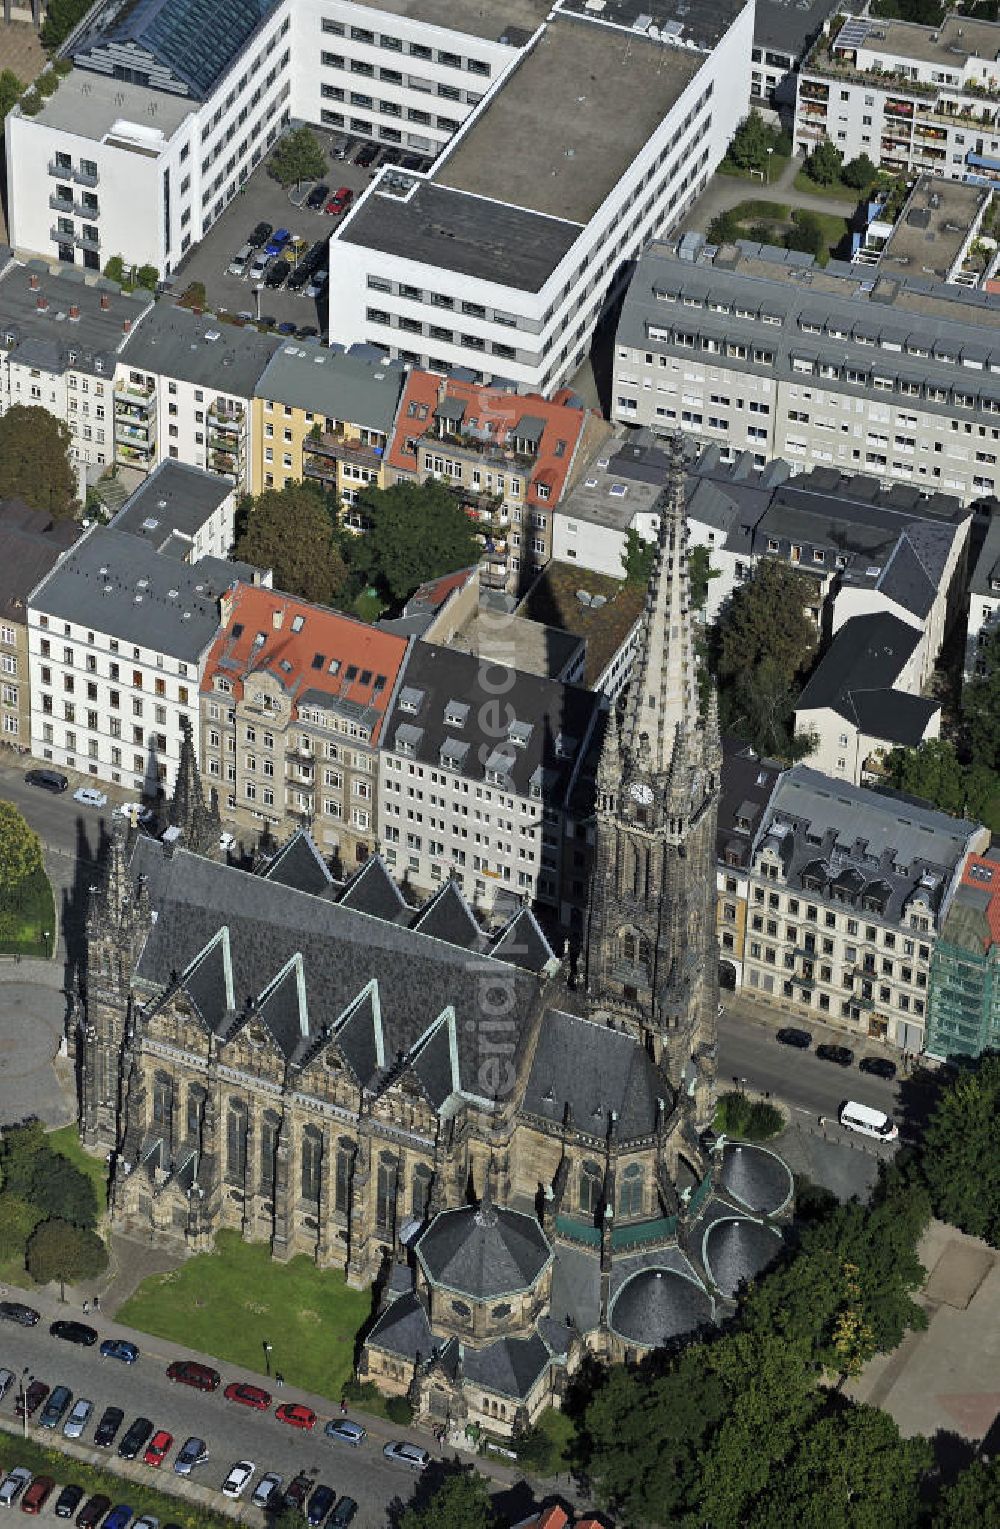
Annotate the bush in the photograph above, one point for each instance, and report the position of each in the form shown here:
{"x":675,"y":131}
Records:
{"x":48,"y":83}
{"x":147,"y":276}
{"x":31,"y":103}
{"x":115,"y":269}
{"x":398,"y":1410}
{"x":361,"y":1390}
{"x":750,"y":1119}
{"x":18,"y":1220}
{"x":724,"y":229}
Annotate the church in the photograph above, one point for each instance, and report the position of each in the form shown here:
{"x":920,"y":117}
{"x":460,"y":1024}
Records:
{"x":509,"y":1142}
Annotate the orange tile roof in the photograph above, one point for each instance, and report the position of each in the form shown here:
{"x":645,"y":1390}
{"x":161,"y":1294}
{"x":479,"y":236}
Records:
{"x":549,"y":1518}
{"x":496,"y":413}
{"x":315,"y":654}
{"x":982,"y":873}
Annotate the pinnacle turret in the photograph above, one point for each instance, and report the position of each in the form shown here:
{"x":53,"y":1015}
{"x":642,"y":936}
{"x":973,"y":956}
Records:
{"x":188,"y":810}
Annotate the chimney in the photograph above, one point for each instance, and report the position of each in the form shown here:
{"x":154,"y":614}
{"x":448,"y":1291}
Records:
{"x":105,"y":300}
{"x":74,"y":312}
{"x":41,"y":302}
{"x":226,"y":602}
{"x":33,"y":282}
{"x":126,"y":326}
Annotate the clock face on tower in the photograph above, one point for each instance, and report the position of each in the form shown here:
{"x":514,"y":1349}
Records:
{"x":641,"y":793}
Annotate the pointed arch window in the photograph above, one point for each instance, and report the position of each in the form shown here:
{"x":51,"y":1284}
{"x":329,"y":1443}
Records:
{"x":420,"y":1191}
{"x":591,"y":1178}
{"x":635,"y":949}
{"x":236,"y":1139}
{"x":195,"y":1112}
{"x":311,"y":1162}
{"x":163,"y":1102}
{"x":270,"y":1127}
{"x":342,"y":1192}
{"x":630,"y":1191}
{"x":385,"y":1205}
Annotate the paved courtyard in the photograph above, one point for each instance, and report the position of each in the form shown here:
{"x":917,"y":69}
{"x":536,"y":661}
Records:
{"x":34,"y":1079}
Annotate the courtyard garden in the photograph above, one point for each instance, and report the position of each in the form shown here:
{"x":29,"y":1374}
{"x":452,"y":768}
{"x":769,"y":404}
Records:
{"x":765,"y":222}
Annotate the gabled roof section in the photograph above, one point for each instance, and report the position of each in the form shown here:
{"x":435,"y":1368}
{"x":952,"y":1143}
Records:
{"x":372,"y":890}
{"x":434,"y":1059}
{"x":299,"y":864}
{"x":594,"y":1072}
{"x":360,"y":1038}
{"x":282,"y":1006}
{"x":522,"y":943}
{"x":447,"y":916}
{"x":208,"y":981}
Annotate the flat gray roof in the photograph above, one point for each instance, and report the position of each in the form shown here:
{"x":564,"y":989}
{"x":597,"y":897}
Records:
{"x":472,"y":235}
{"x":36,"y":321}
{"x":956,"y":39}
{"x":201,"y":349}
{"x":90,"y":104}
{"x":701,"y":23}
{"x":981,"y":582}
{"x":568,"y":121}
{"x":117,"y":583}
{"x":175,"y":499}
{"x":932,"y":227}
{"x":335,"y":384}
{"x":470,"y":16}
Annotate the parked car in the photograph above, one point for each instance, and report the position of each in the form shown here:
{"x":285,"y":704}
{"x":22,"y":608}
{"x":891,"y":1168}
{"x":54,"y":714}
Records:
{"x":366,"y":155}
{"x":343,"y":1514}
{"x":268,"y":1487}
{"x":300,"y":277}
{"x":240,"y":260}
{"x":320,"y":1503}
{"x":408,"y":1454}
{"x":191,"y":1453}
{"x":79,"y":1417}
{"x":260,"y":235}
{"x":119,"y":1348}
{"x":74,"y":1332}
{"x":239,"y":1475}
{"x":247,"y":1395}
{"x":191,"y":1372}
{"x":68,"y":1501}
{"x":278,"y":274}
{"x":286,"y":328}
{"x":16,"y":1311}
{"x":297,"y":1491}
{"x":89,"y":796}
{"x":259,"y":267}
{"x":135,"y":1438}
{"x":296,"y":1414}
{"x":317,"y":197}
{"x":112,"y":1419}
{"x":318,"y":284}
{"x":339,"y":148}
{"x":346,"y":1431}
{"x":93,"y":1511}
{"x":56,"y":1407}
{"x":119,"y":1517}
{"x":38,"y":1494}
{"x":878,"y":1066}
{"x":147,"y":1521}
{"x":339,"y":202}
{"x":277,"y":241}
{"x":307,"y":332}
{"x":47,"y":780}
{"x":7,"y":1379}
{"x":30,"y":1400}
{"x":842,"y":1055}
{"x":158,"y":1447}
{"x":790,"y":1036}
{"x":13,"y":1483}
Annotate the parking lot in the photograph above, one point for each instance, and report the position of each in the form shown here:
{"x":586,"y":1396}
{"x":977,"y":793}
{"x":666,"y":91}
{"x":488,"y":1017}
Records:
{"x":262,"y":200}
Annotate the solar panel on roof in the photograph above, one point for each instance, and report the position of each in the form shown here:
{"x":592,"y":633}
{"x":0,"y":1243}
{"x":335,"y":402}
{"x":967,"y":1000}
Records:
{"x":853,"y":34}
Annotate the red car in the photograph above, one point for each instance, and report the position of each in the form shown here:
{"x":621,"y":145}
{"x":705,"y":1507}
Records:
{"x":248,"y":1396}
{"x":38,"y":1494}
{"x":188,"y":1372}
{"x":296,"y":1414}
{"x":340,"y":201}
{"x":158,"y":1447}
{"x":29,"y":1401}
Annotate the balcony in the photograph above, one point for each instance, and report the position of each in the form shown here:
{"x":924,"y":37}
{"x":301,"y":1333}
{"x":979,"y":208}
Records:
{"x":141,"y":392}
{"x":335,"y":444}
{"x":62,"y":204}
{"x":480,"y":450}
{"x":138,"y":434}
{"x":133,"y":456}
{"x":228,"y":445}
{"x":87,"y":241}
{"x":140,"y":419}
{"x":227,"y":414}
{"x":86,"y":177}
{"x":62,"y":172}
{"x":226,"y":463}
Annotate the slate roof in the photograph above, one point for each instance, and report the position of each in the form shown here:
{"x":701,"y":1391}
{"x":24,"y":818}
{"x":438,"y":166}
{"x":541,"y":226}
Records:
{"x":510,"y":1367}
{"x":199,"y":348}
{"x":334,"y":384}
{"x":522,"y":942}
{"x":46,"y":336}
{"x":403,"y":1329}
{"x":756,"y":1177}
{"x":447,"y":915}
{"x":748,"y":783}
{"x":484,"y":1253}
{"x":656,"y":1306}
{"x":372,"y":890}
{"x":175,"y":498}
{"x":609,"y":1072}
{"x":576,"y":1286}
{"x":326,"y":956}
{"x":856,"y":678}
{"x":184,"y":46}
{"x":299,"y":864}
{"x":737,"y":1250}
{"x":31,"y":542}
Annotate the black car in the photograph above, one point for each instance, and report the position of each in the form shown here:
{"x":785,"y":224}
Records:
{"x":320,"y":1503}
{"x":68,"y":1501}
{"x":307,"y":332}
{"x":789,"y":1036}
{"x":260,"y":235}
{"x":277,"y":274}
{"x":48,"y":780}
{"x":297,"y":1491}
{"x":316,"y":199}
{"x":75,"y":1332}
{"x":878,"y":1066}
{"x":842,"y":1055}
{"x":300,"y":277}
{"x":135,"y":1438}
{"x":343,"y":1514}
{"x":16,"y":1311}
{"x":366,"y":154}
{"x":112,"y":1419}
{"x":93,"y":1511}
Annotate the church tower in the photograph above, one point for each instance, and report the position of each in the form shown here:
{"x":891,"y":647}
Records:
{"x":651,"y":958}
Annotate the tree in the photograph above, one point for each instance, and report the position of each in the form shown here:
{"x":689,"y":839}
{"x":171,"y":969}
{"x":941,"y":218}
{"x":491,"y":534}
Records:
{"x":61,"y":17}
{"x":297,"y":157}
{"x":700,"y":571}
{"x":981,"y":706}
{"x":418,"y":531}
{"x":763,"y":641}
{"x":18,"y":1220}
{"x":462,"y":1501}
{"x":20,"y":847}
{"x":750,"y":143}
{"x":637,"y":557}
{"x":824,"y":163}
{"x":57,"y":1250}
{"x":959,"y":1159}
{"x":860,"y":172}
{"x":806,"y":233}
{"x":291,"y":531}
{"x":115,"y":269}
{"x":933,"y":772}
{"x":973,"y":1499}
{"x":11,"y":90}
{"x":34,"y":460}
{"x":45,"y":1178}
{"x":147,"y":276}
{"x":725,"y":228}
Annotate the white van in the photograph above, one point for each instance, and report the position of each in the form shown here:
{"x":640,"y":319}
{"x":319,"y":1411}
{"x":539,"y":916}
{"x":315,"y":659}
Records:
{"x":867,"y":1122}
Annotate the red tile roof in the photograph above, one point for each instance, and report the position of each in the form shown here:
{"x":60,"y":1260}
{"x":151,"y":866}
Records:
{"x":496,"y":414}
{"x":982,"y":874}
{"x":313,"y":652}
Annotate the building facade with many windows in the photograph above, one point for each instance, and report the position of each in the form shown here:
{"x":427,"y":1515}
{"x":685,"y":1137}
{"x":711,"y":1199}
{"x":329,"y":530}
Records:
{"x":31,"y":543}
{"x":964,"y":1005}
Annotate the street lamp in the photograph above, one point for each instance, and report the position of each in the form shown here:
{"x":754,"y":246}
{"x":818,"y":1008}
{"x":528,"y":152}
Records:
{"x":769,"y":153}
{"x":267,"y":1356}
{"x":256,"y":296}
{"x":46,"y":936}
{"x":26,"y":1379}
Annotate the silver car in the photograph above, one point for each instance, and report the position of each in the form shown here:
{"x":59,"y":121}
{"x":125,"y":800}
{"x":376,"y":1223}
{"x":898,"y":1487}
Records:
{"x":13,"y":1485}
{"x":79,"y":1418}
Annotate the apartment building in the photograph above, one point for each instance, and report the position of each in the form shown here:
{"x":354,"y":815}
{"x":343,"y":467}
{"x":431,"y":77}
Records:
{"x":963,"y":1017}
{"x":748,"y":783}
{"x":910,"y":97}
{"x":118,"y":636}
{"x":478,"y":767}
{"x":846,"y":888}
{"x":782,"y":35}
{"x":184,"y":388}
{"x":600,"y":613}
{"x":508,"y":458}
{"x":60,"y":338}
{"x":502,"y":262}
{"x":31,"y":543}
{"x":293,"y":702}
{"x":325,"y":416}
{"x":943,"y":230}
{"x":984,"y":599}
{"x":761,"y":350}
{"x":183,"y":512}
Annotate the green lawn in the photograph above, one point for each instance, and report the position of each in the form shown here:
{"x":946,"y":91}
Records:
{"x":837,"y":191}
{"x":758,"y":216}
{"x":66,"y":1141}
{"x":227,"y":1303}
{"x":773,"y":171}
{"x":25,"y":914}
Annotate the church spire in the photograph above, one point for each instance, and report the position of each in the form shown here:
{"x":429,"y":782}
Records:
{"x":198,"y":822}
{"x":609,"y":765}
{"x":662,"y":702}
